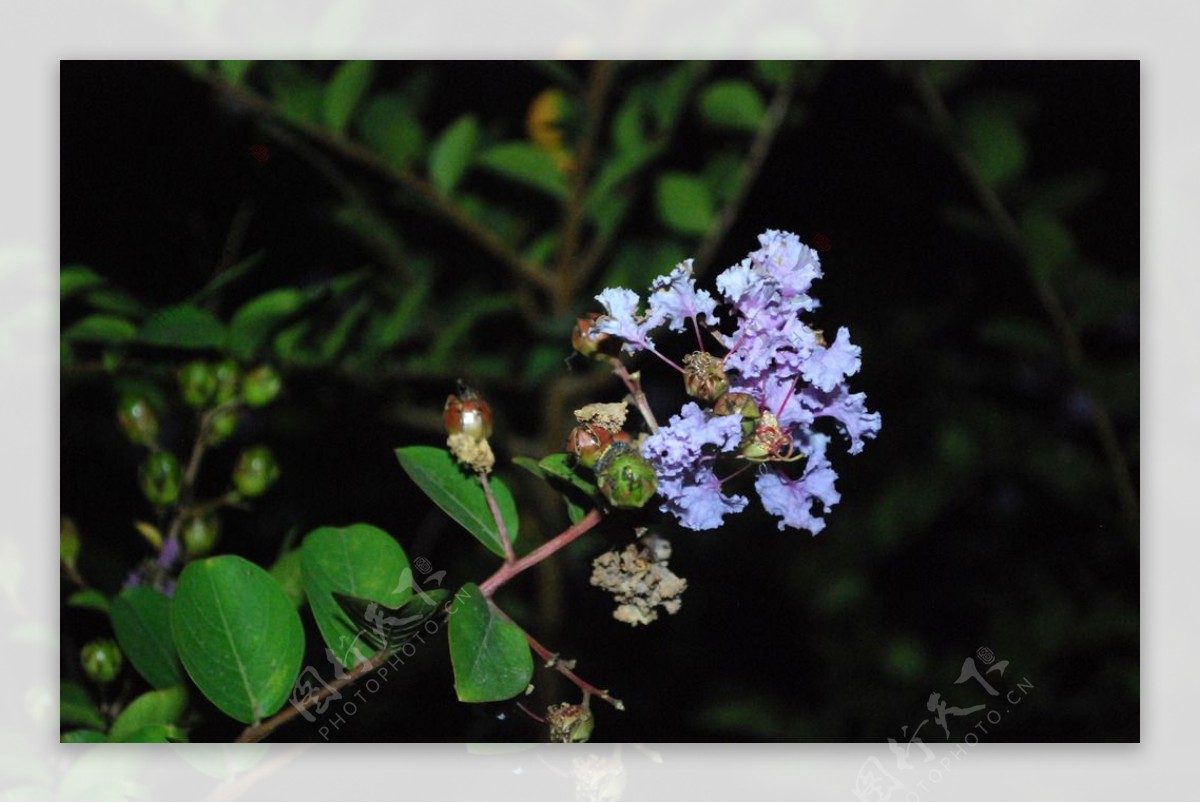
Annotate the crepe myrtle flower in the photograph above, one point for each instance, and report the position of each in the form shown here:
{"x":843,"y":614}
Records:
{"x":768,"y":399}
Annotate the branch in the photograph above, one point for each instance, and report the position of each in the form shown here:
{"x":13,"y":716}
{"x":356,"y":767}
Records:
{"x":756,"y":157}
{"x":438,"y":203}
{"x":510,"y":570}
{"x":564,"y":668}
{"x":1052,"y":305}
{"x":501,"y":527}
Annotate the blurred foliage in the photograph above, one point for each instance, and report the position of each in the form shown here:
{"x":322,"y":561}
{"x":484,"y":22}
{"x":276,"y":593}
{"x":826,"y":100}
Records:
{"x":375,"y":231}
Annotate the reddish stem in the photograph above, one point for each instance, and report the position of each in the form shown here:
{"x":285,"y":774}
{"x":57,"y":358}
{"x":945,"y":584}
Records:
{"x":509,"y":555}
{"x":510,"y":570}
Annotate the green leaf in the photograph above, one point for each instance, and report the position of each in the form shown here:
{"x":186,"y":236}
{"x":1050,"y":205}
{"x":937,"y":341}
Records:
{"x":118,"y":302}
{"x":389,"y":629}
{"x":298,"y":96}
{"x":451,"y":154}
{"x":227,"y":277}
{"x":289,"y":573}
{"x":75,"y":707}
{"x":239,"y":637}
{"x":685,"y":203}
{"x":82,"y":736}
{"x":257,"y":318}
{"x":615,"y":172}
{"x":141,"y":619}
{"x":163,"y":707}
{"x":490,"y":655}
{"x":732,"y":104}
{"x":775,"y":73}
{"x":73,"y":279}
{"x":344,"y":91}
{"x":98,"y":328}
{"x":234,"y":71}
{"x":183,"y":327}
{"x":156,"y":734}
{"x":559,"y":465}
{"x":359,"y":560}
{"x":438,"y":474}
{"x":995,"y":143}
{"x":89,"y":598}
{"x":526,"y":164}
{"x":389,"y":127}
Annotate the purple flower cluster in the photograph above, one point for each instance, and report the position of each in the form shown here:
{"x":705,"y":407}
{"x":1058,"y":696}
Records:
{"x":793,"y":375}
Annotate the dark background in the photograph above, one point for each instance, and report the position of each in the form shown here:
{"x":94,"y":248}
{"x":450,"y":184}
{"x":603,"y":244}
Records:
{"x":983,"y":516}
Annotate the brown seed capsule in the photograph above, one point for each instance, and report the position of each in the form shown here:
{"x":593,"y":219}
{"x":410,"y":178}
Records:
{"x":468,"y":414}
{"x":704,"y":376}
{"x":587,"y":341}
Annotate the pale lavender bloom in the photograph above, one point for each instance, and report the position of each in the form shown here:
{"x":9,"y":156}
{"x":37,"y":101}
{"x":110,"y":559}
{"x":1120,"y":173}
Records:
{"x":793,"y":500}
{"x":674,"y":298}
{"x":848,"y":409}
{"x":622,"y":319}
{"x":828,"y":367}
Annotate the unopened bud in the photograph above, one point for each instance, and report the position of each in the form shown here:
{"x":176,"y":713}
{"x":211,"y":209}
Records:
{"x":228,"y":375}
{"x":138,"y":421}
{"x":261,"y":386}
{"x":161,"y":477}
{"x":570,"y":723}
{"x":197,"y":383}
{"x":223,"y":424}
{"x":102,"y":660}
{"x":255,"y":471}
{"x":742,"y":404}
{"x":625,"y":478}
{"x":200,"y":534}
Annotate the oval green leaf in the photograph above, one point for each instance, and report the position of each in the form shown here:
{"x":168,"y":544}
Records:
{"x":685,"y":203}
{"x":88,"y":598}
{"x":451,"y":154}
{"x":107,"y":329}
{"x":76,"y":278}
{"x":75,"y":707}
{"x":183,"y":327}
{"x":389,"y":127}
{"x":82,"y":736}
{"x":490,"y":655}
{"x":141,"y":619}
{"x":460,"y":495}
{"x":359,"y":560}
{"x":344,"y":91}
{"x":257,"y":318}
{"x":526,"y":164}
{"x":732,"y":104}
{"x":163,"y":707}
{"x":238,"y":636}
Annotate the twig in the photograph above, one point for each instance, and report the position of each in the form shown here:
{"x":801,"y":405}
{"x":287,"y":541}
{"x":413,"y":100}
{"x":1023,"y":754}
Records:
{"x":598,"y":84}
{"x":501,"y":527}
{"x":259,"y":731}
{"x":1052,"y":305}
{"x":756,"y":157}
{"x":510,"y":570}
{"x":432,"y":199}
{"x":558,"y":665}
{"x":633,"y":382}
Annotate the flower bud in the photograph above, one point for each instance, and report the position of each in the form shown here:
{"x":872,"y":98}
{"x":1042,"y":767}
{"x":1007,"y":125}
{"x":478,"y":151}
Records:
{"x":590,"y":343}
{"x":102,"y":660}
{"x":227,"y":374}
{"x":221,"y":426}
{"x":625,"y":479}
{"x":197,"y":383}
{"x":200,"y":533}
{"x":161,"y":477}
{"x":467,"y":414}
{"x":69,"y":544}
{"x":570,"y":723}
{"x":137,"y":420}
{"x":742,"y":404}
{"x":261,"y":386}
{"x":255,"y":471}
{"x":704,"y":376}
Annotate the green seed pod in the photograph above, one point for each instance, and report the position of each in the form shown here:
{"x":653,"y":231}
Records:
{"x":742,"y":404}
{"x":197,"y":383}
{"x":255,"y":471}
{"x":137,"y":420}
{"x":102,"y":660}
{"x":261,"y":386}
{"x":228,"y":375}
{"x":221,"y":426}
{"x":570,"y":723}
{"x":161,"y":477}
{"x":200,"y":534}
{"x":704,"y":376}
{"x":625,"y":479}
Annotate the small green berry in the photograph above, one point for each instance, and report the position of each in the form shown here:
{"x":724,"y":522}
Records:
{"x":255,"y":471}
{"x":102,"y":660}
{"x":227,"y":374}
{"x":200,"y":534}
{"x":69,"y":544}
{"x":221,"y":426}
{"x":161,"y":477}
{"x":137,"y":420}
{"x":625,"y":478}
{"x":261,"y":386}
{"x":197,"y":383}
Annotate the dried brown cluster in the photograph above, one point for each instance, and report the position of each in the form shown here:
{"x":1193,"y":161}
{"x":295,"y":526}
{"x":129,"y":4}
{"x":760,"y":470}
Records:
{"x":640,"y":581}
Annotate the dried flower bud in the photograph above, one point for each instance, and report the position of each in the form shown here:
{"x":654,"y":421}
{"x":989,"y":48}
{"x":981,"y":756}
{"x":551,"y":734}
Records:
{"x":570,"y":723}
{"x":473,"y":453}
{"x":468,"y":414}
{"x":588,"y":444}
{"x":704,"y":376}
{"x":624,"y":477}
